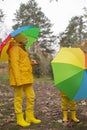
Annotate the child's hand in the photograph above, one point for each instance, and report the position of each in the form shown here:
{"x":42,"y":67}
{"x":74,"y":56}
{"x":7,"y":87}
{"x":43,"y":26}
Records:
{"x":35,"y":62}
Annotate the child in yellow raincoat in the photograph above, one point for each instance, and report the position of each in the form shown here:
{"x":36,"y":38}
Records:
{"x":21,"y":78}
{"x":65,"y":104}
{"x":65,"y":100}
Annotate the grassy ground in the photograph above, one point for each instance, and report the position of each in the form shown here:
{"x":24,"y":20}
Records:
{"x":47,"y":107}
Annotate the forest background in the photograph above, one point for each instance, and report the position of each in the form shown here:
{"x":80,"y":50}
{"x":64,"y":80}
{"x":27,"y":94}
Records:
{"x":48,"y":44}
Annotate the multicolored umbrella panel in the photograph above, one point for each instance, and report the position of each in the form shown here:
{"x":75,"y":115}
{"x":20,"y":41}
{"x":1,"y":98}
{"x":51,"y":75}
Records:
{"x":70,"y":73}
{"x":31,"y":33}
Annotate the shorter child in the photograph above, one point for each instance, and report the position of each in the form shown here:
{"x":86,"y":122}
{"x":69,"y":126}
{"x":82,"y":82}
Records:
{"x":65,"y":104}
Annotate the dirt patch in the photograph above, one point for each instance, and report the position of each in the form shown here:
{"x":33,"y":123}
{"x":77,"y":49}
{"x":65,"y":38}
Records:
{"x":47,"y":108}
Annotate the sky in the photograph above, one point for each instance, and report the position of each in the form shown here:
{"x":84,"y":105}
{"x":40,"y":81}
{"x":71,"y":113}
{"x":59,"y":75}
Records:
{"x":59,"y":12}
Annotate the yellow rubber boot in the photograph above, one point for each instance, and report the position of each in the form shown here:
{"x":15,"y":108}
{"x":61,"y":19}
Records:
{"x":21,"y":121}
{"x":30,"y":117}
{"x":65,"y":116}
{"x":73,"y":117}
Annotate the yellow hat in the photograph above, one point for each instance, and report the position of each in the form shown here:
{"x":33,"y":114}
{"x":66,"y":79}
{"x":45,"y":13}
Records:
{"x":20,"y":37}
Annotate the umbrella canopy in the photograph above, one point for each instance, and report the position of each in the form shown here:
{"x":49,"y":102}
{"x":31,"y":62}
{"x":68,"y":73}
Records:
{"x":70,"y":72}
{"x":31,"y":33}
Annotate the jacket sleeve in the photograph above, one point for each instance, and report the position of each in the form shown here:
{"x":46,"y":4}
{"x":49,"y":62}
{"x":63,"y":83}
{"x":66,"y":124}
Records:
{"x":14,"y":64}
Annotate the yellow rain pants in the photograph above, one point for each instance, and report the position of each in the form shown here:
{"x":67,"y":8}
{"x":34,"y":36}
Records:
{"x":19,"y":92}
{"x":67,"y":103}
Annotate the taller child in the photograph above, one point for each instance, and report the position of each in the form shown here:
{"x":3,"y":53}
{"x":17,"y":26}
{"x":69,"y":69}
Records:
{"x":21,"y":78}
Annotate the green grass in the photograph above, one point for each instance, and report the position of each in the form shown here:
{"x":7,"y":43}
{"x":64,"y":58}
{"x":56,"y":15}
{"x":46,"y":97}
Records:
{"x":4,"y":79}
{"x":4,"y":76}
{"x":46,"y":79}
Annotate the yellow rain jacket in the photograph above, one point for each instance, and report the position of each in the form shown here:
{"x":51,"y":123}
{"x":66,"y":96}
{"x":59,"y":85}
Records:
{"x":20,"y":66}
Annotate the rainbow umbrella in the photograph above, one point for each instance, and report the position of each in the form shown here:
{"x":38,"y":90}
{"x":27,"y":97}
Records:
{"x":31,"y":33}
{"x":70,"y":73}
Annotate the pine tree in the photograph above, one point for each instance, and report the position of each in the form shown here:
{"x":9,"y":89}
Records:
{"x":31,"y":14}
{"x":75,"y":32}
{"x":1,"y":16}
